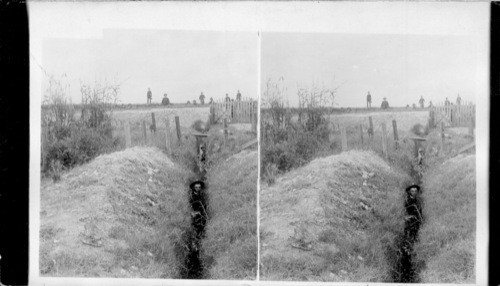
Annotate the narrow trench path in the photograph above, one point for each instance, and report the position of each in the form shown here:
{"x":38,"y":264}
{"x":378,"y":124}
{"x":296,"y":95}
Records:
{"x":193,"y":267}
{"x":406,"y":268}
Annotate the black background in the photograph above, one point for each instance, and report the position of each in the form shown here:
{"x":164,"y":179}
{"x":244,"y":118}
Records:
{"x":14,"y":142}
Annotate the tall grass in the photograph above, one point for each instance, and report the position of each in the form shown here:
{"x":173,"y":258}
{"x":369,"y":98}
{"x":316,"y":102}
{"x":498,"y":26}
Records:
{"x":447,"y":238}
{"x":68,"y":141}
{"x":230,"y":245}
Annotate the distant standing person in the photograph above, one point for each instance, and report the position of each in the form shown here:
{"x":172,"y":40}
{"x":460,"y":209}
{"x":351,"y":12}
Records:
{"x":211,"y":100}
{"x":149,"y":95}
{"x":165,"y":100}
{"x":446,"y":102}
{"x":430,"y":104}
{"x":385,"y":104}
{"x":459,"y":99}
{"x":368,"y":100}
{"x":227,"y":98}
{"x":202,"y":98}
{"x":421,"y":101}
{"x":238,"y":96}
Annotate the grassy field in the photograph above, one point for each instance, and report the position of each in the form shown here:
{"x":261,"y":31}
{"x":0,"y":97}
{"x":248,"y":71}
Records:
{"x":230,"y":246}
{"x":121,"y":215}
{"x":187,"y":115}
{"x":447,"y":238}
{"x":332,"y":220}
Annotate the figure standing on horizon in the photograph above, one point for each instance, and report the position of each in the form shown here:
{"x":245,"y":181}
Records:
{"x":149,"y":95}
{"x":227,"y":98}
{"x":385,"y":104}
{"x":446,"y":102}
{"x":421,"y":101}
{"x":368,"y":100}
{"x":238,"y":96}
{"x":211,"y":100}
{"x":202,"y":98}
{"x":165,"y":100}
{"x":459,"y":99}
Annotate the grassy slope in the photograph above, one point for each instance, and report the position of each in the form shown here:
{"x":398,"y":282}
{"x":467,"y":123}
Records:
{"x":230,"y":246}
{"x":447,"y":238}
{"x":326,"y":204}
{"x":133,"y":202}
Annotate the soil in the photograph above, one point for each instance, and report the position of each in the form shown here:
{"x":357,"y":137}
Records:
{"x":98,"y":209}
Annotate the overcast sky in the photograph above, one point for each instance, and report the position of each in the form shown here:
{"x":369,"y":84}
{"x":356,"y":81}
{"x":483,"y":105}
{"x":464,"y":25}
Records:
{"x":181,"y":64}
{"x":401,"y":67}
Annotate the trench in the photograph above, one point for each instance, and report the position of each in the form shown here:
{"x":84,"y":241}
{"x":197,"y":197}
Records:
{"x":406,"y":268}
{"x":193,"y":267}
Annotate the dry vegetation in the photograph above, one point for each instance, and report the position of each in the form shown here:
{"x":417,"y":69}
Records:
{"x":230,"y":246}
{"x":121,"y":215}
{"x":332,"y":220}
{"x":187,"y":115}
{"x":447,"y":238}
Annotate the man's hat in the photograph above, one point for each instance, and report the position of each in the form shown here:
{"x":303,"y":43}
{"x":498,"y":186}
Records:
{"x":385,"y":98}
{"x":191,"y":186}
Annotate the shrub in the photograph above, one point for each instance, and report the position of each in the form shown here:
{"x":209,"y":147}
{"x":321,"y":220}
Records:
{"x":69,"y":141}
{"x":288,"y":143}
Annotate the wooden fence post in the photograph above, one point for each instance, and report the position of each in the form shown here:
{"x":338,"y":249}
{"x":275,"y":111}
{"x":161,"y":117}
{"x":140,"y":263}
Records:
{"x":225,"y":131}
{"x":395,"y":131}
{"x":144,"y":133}
{"x":212,"y":114}
{"x":344,"y":138}
{"x":471,"y":127}
{"x":128,"y":138}
{"x":442,"y":137}
{"x":178,"y":128}
{"x":253,"y":116}
{"x":370,"y":131}
{"x":167,"y":135}
{"x":361,"y":134}
{"x":153,"y":124}
{"x":432,"y":118}
{"x":384,"y":140}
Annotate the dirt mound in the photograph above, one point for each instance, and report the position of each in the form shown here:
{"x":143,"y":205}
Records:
{"x":447,"y":238}
{"x":331,"y":220}
{"x":121,"y":215}
{"x":230,"y":245}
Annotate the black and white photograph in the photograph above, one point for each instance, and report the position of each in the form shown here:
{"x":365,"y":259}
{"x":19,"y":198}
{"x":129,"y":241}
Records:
{"x":258,"y":143}
{"x":368,"y":162}
{"x":149,"y":155}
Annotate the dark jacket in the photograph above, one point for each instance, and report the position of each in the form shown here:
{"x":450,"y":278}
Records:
{"x":385,"y":104}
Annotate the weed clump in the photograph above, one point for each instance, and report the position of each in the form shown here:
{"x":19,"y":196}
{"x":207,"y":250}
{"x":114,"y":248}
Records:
{"x":67,"y":140}
{"x":287,"y":142}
